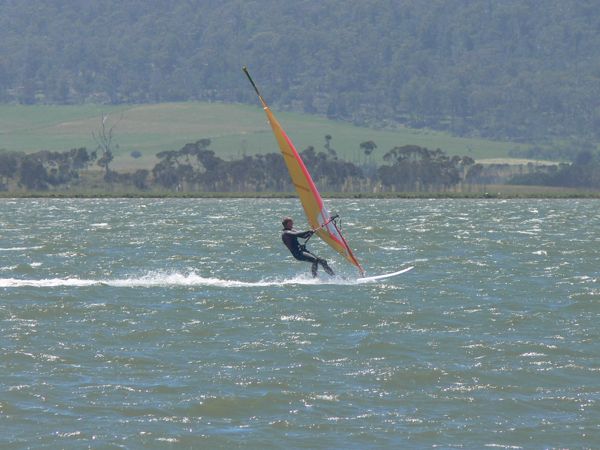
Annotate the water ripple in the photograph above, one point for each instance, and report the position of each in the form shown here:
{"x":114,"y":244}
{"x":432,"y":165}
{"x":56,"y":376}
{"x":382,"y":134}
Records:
{"x":151,"y":323}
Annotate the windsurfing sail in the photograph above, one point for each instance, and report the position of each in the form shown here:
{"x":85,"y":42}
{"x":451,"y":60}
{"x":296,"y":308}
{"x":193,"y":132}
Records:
{"x":317,"y":214}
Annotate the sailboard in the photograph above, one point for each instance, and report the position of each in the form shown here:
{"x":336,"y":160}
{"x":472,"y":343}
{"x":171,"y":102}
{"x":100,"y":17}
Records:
{"x":384,"y":276}
{"x":318,"y":216}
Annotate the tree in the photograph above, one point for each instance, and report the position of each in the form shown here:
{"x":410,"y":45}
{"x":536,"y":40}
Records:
{"x":104,"y":139}
{"x":80,"y":158}
{"x":9,"y":164}
{"x":368,"y":147}
{"x":32,"y":174}
{"x":583,"y":158}
{"x":194,"y":163}
{"x":140,"y":178}
{"x":415,"y":168}
{"x":492,"y":68}
{"x":330,"y":150}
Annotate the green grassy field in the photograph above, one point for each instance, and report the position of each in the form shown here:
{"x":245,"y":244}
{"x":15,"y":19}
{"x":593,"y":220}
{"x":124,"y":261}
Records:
{"x":234,"y":130}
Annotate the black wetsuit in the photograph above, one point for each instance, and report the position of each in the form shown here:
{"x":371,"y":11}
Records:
{"x":290,"y":239}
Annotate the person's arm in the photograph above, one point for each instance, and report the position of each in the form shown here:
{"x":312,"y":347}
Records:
{"x":301,"y":234}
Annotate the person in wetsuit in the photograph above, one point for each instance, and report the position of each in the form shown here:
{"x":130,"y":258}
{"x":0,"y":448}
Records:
{"x":290,"y":237}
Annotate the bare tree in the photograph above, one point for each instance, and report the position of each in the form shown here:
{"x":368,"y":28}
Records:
{"x":104,"y":139}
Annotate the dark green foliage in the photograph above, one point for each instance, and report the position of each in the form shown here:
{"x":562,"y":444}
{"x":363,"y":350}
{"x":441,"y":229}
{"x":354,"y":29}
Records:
{"x":411,"y":168}
{"x":38,"y":171}
{"x":414,"y":168}
{"x":9,"y":164}
{"x":140,"y":179}
{"x":551,"y":153}
{"x":368,"y":147}
{"x":33,"y":176}
{"x":195,"y":167}
{"x":564,"y":151}
{"x":516,"y":69}
{"x":584,"y":172}
{"x":330,"y":172}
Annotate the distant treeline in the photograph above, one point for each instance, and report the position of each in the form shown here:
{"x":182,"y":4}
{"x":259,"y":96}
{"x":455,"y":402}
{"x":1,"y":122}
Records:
{"x":584,"y":172}
{"x":196,"y":168}
{"x":561,"y":152}
{"x":520,"y":70}
{"x":42,"y":170}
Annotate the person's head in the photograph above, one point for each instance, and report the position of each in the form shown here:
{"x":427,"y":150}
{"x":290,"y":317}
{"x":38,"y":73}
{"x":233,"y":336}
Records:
{"x":287,"y":223}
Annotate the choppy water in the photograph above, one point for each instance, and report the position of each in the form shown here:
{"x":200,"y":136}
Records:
{"x":184,"y":324}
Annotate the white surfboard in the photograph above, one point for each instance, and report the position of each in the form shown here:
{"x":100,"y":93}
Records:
{"x":384,"y":276}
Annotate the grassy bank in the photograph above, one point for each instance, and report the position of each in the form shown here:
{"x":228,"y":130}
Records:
{"x":493,"y":192}
{"x":234,"y":130}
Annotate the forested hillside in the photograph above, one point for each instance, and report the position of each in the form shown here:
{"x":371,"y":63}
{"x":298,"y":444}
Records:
{"x":525,"y":70}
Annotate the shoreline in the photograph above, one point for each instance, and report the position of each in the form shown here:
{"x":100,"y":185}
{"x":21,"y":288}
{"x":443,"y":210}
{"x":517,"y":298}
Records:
{"x":329,"y":195}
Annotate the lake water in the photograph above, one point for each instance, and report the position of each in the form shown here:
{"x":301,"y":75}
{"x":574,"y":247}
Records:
{"x":146,"y":323}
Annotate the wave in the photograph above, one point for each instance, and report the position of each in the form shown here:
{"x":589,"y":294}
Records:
{"x":167,"y":280}
{"x":19,"y":249}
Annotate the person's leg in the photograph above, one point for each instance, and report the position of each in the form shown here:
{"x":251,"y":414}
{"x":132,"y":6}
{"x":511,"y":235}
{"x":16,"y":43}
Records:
{"x":313,"y":268}
{"x":326,"y":267}
{"x":309,"y":257}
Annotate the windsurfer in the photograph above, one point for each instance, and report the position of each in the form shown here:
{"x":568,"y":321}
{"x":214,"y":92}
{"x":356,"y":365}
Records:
{"x":290,"y":239}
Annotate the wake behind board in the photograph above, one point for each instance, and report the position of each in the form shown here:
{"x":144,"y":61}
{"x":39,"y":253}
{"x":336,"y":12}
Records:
{"x":384,"y":276}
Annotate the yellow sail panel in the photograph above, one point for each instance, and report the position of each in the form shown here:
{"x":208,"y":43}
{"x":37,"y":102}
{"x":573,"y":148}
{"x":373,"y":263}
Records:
{"x":316,"y":213}
{"x":301,"y":179}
